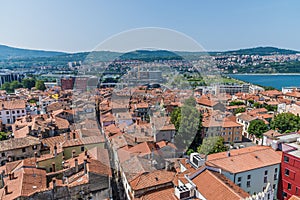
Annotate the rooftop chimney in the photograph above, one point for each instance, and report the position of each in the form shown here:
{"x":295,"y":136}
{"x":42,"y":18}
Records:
{"x":6,"y":190}
{"x":54,"y":183}
{"x":228,"y":153}
{"x":53,"y":166}
{"x":55,"y":150}
{"x":76,"y":165}
{"x":85,"y":166}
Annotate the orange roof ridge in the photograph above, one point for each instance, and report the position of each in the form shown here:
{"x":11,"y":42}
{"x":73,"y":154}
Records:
{"x":259,"y":148}
{"x":222,"y":182}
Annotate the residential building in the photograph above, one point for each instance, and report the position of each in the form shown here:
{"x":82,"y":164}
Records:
{"x":218,"y":125}
{"x":251,"y":168}
{"x":11,"y":110}
{"x":19,"y":148}
{"x":290,"y":171}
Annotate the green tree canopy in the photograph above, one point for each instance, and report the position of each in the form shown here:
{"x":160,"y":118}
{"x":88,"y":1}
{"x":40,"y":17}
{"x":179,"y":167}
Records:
{"x":15,"y":85}
{"x":39,"y":85}
{"x":271,"y":108}
{"x":6,"y":87}
{"x":28,"y":83}
{"x":212,"y":145}
{"x":236,"y":103}
{"x":257,"y":127}
{"x":257,"y":105}
{"x":187,"y":121}
{"x":3,"y":135}
{"x":286,"y":122}
{"x":176,"y":117}
{"x":239,"y":110}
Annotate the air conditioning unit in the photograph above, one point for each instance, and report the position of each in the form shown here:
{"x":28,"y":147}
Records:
{"x":196,"y":160}
{"x":182,"y":192}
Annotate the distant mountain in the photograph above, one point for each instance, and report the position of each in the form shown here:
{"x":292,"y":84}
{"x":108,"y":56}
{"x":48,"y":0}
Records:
{"x":262,"y":51}
{"x":7,"y":52}
{"x":150,"y":55}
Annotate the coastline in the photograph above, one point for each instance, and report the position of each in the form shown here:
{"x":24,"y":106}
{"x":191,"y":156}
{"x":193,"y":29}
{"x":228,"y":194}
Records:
{"x":260,"y":74}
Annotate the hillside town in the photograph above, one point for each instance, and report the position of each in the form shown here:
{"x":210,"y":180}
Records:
{"x":72,"y":141}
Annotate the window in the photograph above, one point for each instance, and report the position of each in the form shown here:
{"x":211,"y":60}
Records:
{"x":274,"y":186}
{"x":239,"y":179}
{"x":297,"y":191}
{"x":239,"y":184}
{"x":289,"y":186}
{"x":237,"y":133}
{"x":249,"y":176}
{"x":228,"y":139}
{"x":286,"y":159}
{"x":23,"y":150}
{"x":275,"y":177}
{"x":229,"y":133}
{"x":284,"y":194}
{"x":23,"y":111}
{"x":7,"y":112}
{"x":265,"y":179}
{"x":248,"y":184}
{"x":13,"y":112}
{"x":82,"y":148}
{"x":224,"y":133}
{"x":3,"y":154}
{"x":237,"y":138}
{"x":266,"y":172}
{"x":18,"y":111}
{"x":286,"y":172}
{"x":276,"y":170}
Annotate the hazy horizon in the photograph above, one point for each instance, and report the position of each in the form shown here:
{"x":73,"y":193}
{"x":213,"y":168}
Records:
{"x":76,"y":26}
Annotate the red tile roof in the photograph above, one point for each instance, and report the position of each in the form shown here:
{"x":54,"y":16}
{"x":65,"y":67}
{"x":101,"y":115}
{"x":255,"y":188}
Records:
{"x":216,"y":186}
{"x":244,"y":159}
{"x":155,"y":178}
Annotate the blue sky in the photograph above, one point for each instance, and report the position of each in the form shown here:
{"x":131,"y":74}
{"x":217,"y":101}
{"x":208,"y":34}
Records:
{"x":73,"y":25}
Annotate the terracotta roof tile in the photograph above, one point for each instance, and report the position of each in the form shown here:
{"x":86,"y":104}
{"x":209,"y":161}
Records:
{"x":215,"y":186}
{"x":152,"y":179}
{"x":244,"y":159}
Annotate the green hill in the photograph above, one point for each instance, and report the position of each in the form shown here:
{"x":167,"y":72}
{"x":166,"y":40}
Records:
{"x":7,"y":52}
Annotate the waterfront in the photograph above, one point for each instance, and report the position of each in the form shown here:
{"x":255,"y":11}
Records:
{"x":275,"y":80}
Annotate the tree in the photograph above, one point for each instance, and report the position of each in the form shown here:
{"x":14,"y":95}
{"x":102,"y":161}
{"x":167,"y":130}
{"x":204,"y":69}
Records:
{"x":271,"y":108}
{"x":6,"y":87}
{"x":236,"y":103}
{"x":3,"y":135}
{"x":176,"y":117}
{"x":212,"y":145}
{"x":286,"y":122}
{"x":187,"y":121}
{"x":257,"y":105}
{"x":40,"y":85}
{"x":251,"y":101}
{"x":15,"y":85}
{"x":28,"y":83}
{"x":189,"y":152}
{"x":239,"y":110}
{"x":257,"y":127}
